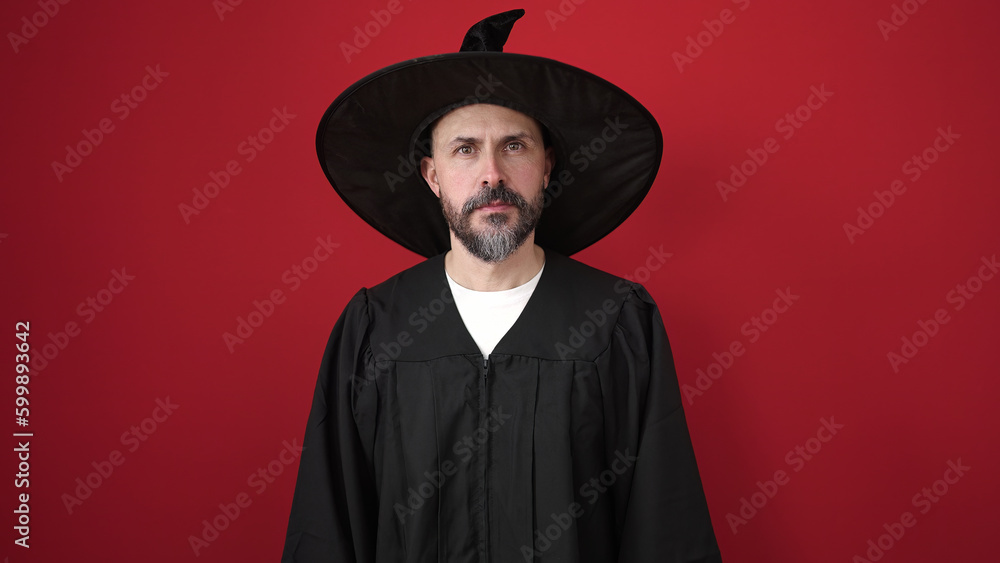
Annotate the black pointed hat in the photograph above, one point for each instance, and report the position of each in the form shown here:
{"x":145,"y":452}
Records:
{"x":372,"y":138}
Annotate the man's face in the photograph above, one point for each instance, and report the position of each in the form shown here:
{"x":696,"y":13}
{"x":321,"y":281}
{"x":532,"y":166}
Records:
{"x":489,"y":169}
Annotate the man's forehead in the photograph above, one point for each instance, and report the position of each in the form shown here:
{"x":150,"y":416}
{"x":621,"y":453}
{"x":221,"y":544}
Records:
{"x":467,"y":119}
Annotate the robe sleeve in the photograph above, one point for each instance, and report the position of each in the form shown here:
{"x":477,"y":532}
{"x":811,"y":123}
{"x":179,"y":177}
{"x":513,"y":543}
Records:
{"x":333,"y":515}
{"x":666,"y":518}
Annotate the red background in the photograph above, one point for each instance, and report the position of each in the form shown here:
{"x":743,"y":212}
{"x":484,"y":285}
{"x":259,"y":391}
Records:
{"x":826,"y":356}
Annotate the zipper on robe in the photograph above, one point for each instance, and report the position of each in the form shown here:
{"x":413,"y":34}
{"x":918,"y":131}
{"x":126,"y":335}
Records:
{"x":486,"y":461}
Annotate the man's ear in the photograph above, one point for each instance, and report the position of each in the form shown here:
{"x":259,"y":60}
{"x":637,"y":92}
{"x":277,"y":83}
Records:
{"x":429,"y":173}
{"x":550,"y":162}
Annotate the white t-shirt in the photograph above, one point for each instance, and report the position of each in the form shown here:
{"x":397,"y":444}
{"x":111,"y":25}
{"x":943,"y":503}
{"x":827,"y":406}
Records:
{"x":488,"y":315}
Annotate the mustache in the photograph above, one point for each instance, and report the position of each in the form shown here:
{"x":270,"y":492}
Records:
{"x":490,"y":194}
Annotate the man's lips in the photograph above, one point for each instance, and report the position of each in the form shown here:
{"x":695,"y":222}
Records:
{"x":495,"y":206}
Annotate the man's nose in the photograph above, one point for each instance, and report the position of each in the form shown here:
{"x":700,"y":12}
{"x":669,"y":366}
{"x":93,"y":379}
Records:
{"x":492,"y":172}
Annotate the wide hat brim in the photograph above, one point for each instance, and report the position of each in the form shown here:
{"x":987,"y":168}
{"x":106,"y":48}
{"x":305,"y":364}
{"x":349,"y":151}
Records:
{"x":607,"y":145}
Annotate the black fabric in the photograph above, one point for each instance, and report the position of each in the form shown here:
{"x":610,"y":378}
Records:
{"x":491,"y":33}
{"x":372,"y":137}
{"x":418,"y":449}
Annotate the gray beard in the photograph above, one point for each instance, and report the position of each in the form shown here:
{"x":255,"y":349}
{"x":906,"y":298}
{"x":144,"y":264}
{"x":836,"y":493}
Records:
{"x":503,"y":235}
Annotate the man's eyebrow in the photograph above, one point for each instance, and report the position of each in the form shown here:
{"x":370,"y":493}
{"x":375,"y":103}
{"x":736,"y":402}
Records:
{"x":463,"y":141}
{"x":516,"y":136}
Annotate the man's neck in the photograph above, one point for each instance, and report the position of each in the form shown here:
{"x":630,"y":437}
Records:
{"x":473,"y":273}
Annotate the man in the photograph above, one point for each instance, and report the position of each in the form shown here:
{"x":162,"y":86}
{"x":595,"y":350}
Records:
{"x":498,"y":402}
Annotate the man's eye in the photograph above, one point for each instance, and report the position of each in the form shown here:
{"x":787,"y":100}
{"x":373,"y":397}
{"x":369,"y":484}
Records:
{"x":514,"y":146}
{"x":465,"y":149}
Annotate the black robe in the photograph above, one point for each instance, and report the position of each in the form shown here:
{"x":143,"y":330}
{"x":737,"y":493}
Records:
{"x":567,"y":443}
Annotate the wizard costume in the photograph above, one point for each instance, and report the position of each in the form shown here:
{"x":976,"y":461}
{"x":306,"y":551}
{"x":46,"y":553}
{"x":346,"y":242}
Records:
{"x":568,"y":441}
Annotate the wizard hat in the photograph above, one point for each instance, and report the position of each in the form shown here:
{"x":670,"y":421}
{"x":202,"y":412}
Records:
{"x":372,"y":138}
